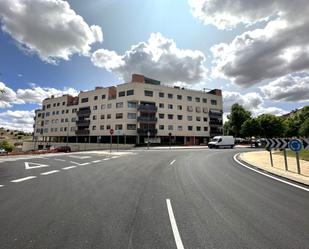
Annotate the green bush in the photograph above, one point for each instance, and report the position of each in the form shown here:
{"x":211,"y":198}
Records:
{"x":7,"y":146}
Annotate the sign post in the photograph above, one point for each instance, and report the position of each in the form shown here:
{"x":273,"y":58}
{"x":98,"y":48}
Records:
{"x":296,"y":146}
{"x":170,"y":136}
{"x":148,"y":134}
{"x":111,"y":132}
{"x":118,"y":133}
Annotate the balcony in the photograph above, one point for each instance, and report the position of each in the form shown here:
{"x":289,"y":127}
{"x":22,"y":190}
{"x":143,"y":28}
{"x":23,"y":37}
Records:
{"x":215,"y":113}
{"x":85,"y":112}
{"x":215,"y":123}
{"x":215,"y":132}
{"x":144,"y":132}
{"x":83,"y":123}
{"x":82,"y":132}
{"x":145,"y":119}
{"x":147,"y":108}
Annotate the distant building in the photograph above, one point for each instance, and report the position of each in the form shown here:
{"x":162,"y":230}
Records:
{"x":134,"y":110}
{"x":292,"y":113}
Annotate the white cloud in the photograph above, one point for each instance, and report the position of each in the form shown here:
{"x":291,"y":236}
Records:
{"x":19,"y":120}
{"x":30,"y":95}
{"x":50,"y":28}
{"x":157,"y":58}
{"x":290,"y":88}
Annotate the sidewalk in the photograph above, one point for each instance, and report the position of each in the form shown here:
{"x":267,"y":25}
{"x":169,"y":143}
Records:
{"x":261,"y":159}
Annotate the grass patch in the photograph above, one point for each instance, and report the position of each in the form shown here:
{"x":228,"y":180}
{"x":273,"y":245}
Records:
{"x":303,"y":154}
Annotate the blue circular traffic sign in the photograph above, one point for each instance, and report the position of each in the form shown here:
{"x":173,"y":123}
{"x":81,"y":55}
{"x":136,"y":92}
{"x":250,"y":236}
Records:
{"x":295,"y":145}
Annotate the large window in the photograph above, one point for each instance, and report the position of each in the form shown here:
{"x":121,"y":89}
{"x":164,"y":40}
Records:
{"x":161,"y":105}
{"x":122,"y":94}
{"x":148,"y":93}
{"x":84,"y":100}
{"x":170,"y":116}
{"x":161,"y":95}
{"x":132,"y":104}
{"x":119,"y":115}
{"x":179,"y":97}
{"x":190,"y":128}
{"x":170,"y":95}
{"x":95,"y":98}
{"x":197,"y":99}
{"x":130,"y":92}
{"x":131,"y":115}
{"x":189,"y":118}
{"x":170,"y":127}
{"x":170,"y":106}
{"x":103,"y":96}
{"x":118,"y":127}
{"x":102,"y":116}
{"x":189,"y":98}
{"x":179,"y":117}
{"x":213,"y":102}
{"x":161,"y":115}
{"x":131,"y":127}
{"x":119,"y":105}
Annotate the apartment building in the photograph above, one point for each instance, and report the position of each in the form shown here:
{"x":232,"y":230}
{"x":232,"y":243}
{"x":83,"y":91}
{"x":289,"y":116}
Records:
{"x":136,"y":111}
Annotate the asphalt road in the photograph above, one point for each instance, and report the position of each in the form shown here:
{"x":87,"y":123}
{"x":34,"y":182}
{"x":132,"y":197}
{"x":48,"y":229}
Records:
{"x":182,"y":198}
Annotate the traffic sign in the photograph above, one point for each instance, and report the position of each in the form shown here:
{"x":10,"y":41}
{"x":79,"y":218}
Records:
{"x":111,"y":131}
{"x":295,"y":145}
{"x":118,"y":132}
{"x":306,"y":143}
{"x":277,"y":143}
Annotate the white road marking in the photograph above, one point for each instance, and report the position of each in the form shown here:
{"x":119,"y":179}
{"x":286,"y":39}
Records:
{"x":1,"y":186}
{"x":80,"y":157}
{"x":171,"y":163}
{"x":96,"y":161}
{"x":69,"y":167}
{"x":105,"y":159}
{"x":24,"y":179}
{"x":270,"y":176}
{"x":58,"y":159}
{"x":37,"y":165}
{"x":114,"y":157}
{"x":49,"y":172}
{"x":177,"y":238}
{"x":79,"y":164}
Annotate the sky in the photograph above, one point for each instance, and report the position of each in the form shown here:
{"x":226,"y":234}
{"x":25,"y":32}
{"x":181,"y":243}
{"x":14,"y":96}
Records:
{"x":256,"y":51}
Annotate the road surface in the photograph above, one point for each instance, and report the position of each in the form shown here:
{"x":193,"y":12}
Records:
{"x":184,"y":198}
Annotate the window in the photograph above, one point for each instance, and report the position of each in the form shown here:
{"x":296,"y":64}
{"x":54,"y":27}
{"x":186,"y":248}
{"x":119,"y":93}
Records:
{"x":170,"y":116}
{"x":58,"y":104}
{"x":62,"y":112}
{"x":74,"y":110}
{"x":190,"y":128}
{"x":94,"y":117}
{"x":101,"y":127}
{"x":198,"y":128}
{"x":204,"y":119}
{"x":103,"y":106}
{"x":62,"y":120}
{"x":119,"y":115}
{"x":189,"y":118}
{"x":198,"y":109}
{"x":51,"y":130}
{"x":197,"y":99}
{"x":103,"y":96}
{"x":63,"y":103}
{"x":189,"y":108}
{"x":46,"y":122}
{"x":95,"y":107}
{"x":161,"y":105}
{"x":94,"y":127}
{"x":55,"y":129}
{"x":179,"y":107}
{"x":179,"y":117}
{"x":189,"y":98}
{"x":122,"y":94}
{"x":109,"y":116}
{"x":148,"y":93}
{"x":198,"y":118}
{"x":67,"y":111}
{"x":95,"y":98}
{"x":170,"y":96}
{"x":131,"y":115}
{"x":161,"y":95}
{"x":132,"y":104}
{"x":161,"y":127}
{"x":170,"y":106}
{"x":53,"y":113}
{"x":170,"y":127}
{"x":61,"y":129}
{"x":72,"y":129}
{"x":54,"y":104}
{"x":73,"y":119}
{"x":84,"y":100}
{"x":213,"y":102}
{"x":118,"y":127}
{"x":205,"y":128}
{"x":48,"y":106}
{"x":179,"y":128}
{"x":161,"y":115}
{"x":57,"y":112}
{"x":204,"y":100}
{"x":109,"y":105}
{"x":102,"y":116}
{"x":130,"y":92}
{"x":66,"y":120}
{"x":205,"y":110}
{"x":65,"y":129}
{"x":179,"y":97}
{"x":108,"y":127}
{"x":119,"y":105}
{"x":131,"y":127}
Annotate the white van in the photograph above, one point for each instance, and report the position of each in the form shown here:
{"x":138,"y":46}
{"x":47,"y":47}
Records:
{"x":222,"y":141}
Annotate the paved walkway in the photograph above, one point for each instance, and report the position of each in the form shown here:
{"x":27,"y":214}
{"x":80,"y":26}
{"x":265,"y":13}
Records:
{"x":261,"y":160}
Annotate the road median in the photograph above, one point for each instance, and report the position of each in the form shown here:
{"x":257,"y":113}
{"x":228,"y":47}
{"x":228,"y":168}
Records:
{"x":261,"y":160}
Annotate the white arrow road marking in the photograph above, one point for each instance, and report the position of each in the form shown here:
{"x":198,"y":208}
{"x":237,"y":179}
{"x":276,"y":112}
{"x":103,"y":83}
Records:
{"x":24,"y":179}
{"x":177,"y":238}
{"x":171,"y":163}
{"x":49,"y":172}
{"x":37,"y":165}
{"x":69,"y":167}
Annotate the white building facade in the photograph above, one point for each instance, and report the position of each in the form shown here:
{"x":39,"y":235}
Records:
{"x":135,"y":111}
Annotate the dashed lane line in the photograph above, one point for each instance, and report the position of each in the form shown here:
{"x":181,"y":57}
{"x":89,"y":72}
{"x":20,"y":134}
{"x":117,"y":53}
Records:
{"x":1,"y":186}
{"x":24,"y":179}
{"x":106,"y":159}
{"x":96,"y":161}
{"x":114,"y":157}
{"x":172,"y":162}
{"x":69,"y":167}
{"x":59,"y":159}
{"x":177,"y":238}
{"x":49,"y":172}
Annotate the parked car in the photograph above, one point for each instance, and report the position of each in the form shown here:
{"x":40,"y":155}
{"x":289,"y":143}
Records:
{"x":222,"y":141}
{"x":63,"y":149}
{"x":3,"y":151}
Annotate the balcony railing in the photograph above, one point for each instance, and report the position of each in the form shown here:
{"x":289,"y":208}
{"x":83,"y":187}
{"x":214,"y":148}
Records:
{"x":215,"y":123}
{"x":215,"y":113}
{"x":82,"y":122}
{"x":144,"y":132}
{"x":83,"y":112}
{"x":146,"y":119}
{"x":82,"y":132}
{"x":147,"y":108}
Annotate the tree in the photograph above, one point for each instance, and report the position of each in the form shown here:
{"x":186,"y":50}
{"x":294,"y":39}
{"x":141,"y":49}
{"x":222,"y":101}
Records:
{"x":7,"y":146}
{"x":292,"y":127}
{"x":304,"y":129}
{"x":271,"y":126}
{"x":237,"y":117}
{"x":250,"y":128}
{"x":227,"y":129}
